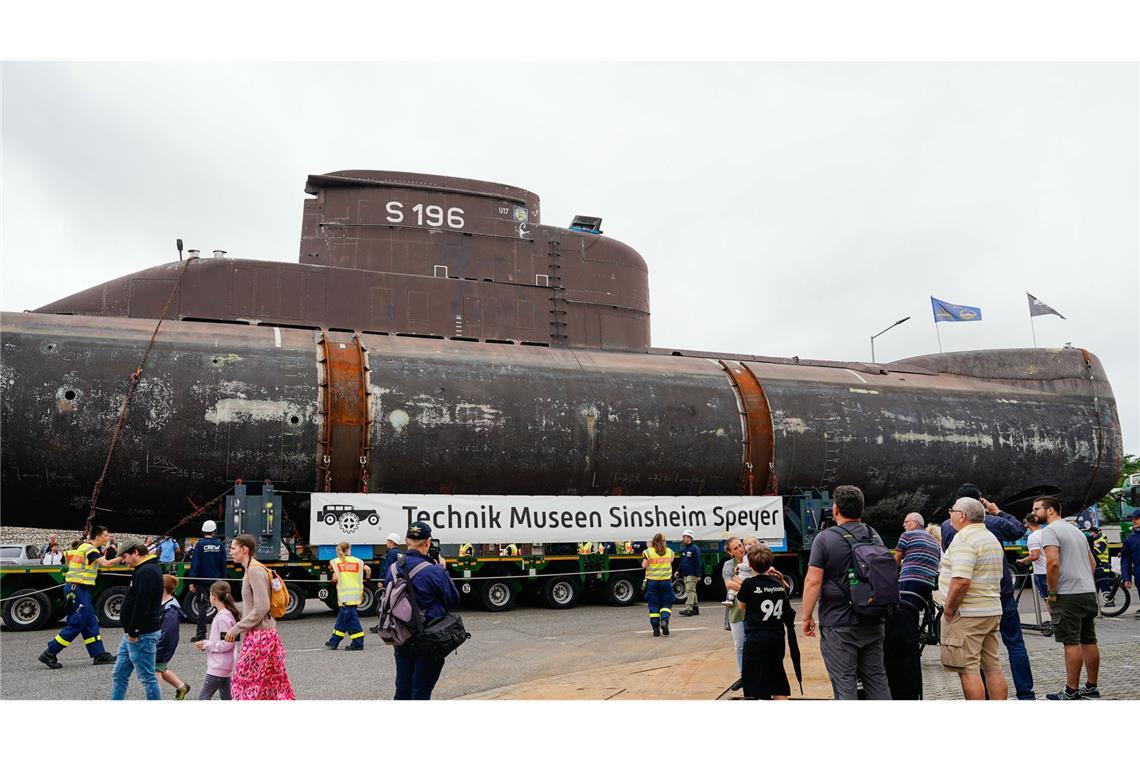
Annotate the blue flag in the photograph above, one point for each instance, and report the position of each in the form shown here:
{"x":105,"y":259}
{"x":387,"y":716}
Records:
{"x":952,"y":312}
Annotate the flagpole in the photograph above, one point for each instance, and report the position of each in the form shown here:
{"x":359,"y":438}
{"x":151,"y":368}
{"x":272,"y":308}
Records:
{"x":1034,"y":330}
{"x":939,"y":334}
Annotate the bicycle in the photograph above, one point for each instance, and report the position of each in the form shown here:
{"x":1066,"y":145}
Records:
{"x":930,"y":627}
{"x":1114,"y":598}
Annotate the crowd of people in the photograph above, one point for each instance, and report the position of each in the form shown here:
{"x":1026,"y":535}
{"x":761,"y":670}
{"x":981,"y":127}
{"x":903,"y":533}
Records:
{"x":868,"y":617}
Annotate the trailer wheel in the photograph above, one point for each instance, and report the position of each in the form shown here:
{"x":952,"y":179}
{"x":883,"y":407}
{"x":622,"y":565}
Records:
{"x":621,"y":592}
{"x":797,"y":584}
{"x":190,"y":608}
{"x":560,"y":593}
{"x":27,"y":611}
{"x":109,"y":606}
{"x":496,"y":595}
{"x":369,"y":602}
{"x":679,"y":590}
{"x":296,"y":603}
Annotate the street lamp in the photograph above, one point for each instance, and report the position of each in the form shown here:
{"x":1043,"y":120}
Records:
{"x":880,"y":332}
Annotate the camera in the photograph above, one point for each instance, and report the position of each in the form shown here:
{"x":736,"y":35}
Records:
{"x":826,"y":518}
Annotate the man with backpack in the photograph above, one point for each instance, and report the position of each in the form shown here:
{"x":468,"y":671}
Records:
{"x":433,"y":594}
{"x":969,"y":588}
{"x":854,"y":578}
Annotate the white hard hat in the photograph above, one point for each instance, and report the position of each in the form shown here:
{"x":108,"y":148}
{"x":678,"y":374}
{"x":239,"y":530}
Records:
{"x":686,"y":532}
{"x":209,"y":526}
{"x":393,"y":537}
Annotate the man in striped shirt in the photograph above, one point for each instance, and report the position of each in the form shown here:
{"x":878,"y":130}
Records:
{"x":918,"y":554}
{"x":969,"y":587}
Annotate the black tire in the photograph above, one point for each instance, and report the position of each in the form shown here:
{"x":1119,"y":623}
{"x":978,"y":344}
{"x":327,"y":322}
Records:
{"x":27,"y":611}
{"x":679,"y":594}
{"x":797,"y":584}
{"x":108,"y":605}
{"x":621,"y":591}
{"x":190,"y":608}
{"x":1114,"y":601}
{"x":560,"y":593}
{"x":717,"y":590}
{"x":369,"y":602}
{"x":496,"y":595}
{"x":296,"y":605}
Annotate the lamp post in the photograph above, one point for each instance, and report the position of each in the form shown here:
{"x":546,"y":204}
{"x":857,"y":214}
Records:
{"x":880,"y":332}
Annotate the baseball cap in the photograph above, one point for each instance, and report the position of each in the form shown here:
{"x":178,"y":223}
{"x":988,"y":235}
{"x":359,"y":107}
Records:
{"x":1136,"y":514}
{"x":130,"y":545}
{"x":393,"y":537}
{"x":969,"y":491}
{"x":209,"y":526}
{"x":419,"y":531}
{"x":686,"y":532}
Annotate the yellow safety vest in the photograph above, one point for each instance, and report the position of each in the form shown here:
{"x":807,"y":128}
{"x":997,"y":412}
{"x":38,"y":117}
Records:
{"x":78,"y":569}
{"x":1100,"y":551}
{"x":585,"y":548}
{"x":510,"y":550}
{"x":466,"y":550}
{"x":660,"y":565}
{"x":350,"y":580}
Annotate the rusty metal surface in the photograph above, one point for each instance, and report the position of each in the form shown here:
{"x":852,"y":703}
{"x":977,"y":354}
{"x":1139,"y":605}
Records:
{"x":1027,"y":426}
{"x":756,"y":473}
{"x":345,"y":423}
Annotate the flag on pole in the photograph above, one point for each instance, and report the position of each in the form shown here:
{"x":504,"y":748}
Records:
{"x":952,"y":312}
{"x":1038,"y":308}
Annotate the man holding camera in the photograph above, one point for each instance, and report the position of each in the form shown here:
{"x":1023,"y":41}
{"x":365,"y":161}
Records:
{"x":416,"y":674}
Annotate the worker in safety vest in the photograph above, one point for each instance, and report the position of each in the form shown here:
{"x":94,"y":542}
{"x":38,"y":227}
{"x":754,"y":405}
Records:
{"x":585,"y":548}
{"x":1098,"y":543}
{"x":658,"y":565}
{"x":509,"y":550}
{"x":83,"y":566}
{"x":466,"y":550}
{"x":625,"y":547}
{"x":349,"y":574}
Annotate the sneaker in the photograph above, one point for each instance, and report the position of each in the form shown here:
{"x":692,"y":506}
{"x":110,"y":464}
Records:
{"x":329,"y":645}
{"x":1064,"y":694}
{"x":738,"y":685}
{"x":104,"y":659}
{"x":665,"y":627}
{"x":696,"y":610}
{"x":181,"y":693}
{"x":1089,"y":692}
{"x":47,"y":658}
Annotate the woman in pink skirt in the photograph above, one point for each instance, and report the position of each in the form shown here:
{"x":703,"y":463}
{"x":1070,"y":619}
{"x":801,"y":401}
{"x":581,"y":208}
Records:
{"x":260,"y":669}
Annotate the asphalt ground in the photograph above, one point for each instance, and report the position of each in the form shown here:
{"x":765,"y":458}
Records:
{"x":511,"y":649}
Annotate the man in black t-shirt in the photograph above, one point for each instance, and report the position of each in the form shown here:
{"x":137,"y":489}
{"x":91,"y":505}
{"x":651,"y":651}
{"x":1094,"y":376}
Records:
{"x":767,"y":614}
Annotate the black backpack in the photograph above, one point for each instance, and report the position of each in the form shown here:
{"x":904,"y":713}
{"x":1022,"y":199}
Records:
{"x":872,"y":577}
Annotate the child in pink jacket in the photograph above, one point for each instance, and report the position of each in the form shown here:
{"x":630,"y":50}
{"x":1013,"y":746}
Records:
{"x":219,"y":652}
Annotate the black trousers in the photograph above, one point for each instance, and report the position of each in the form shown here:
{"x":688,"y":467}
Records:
{"x":203,"y":598}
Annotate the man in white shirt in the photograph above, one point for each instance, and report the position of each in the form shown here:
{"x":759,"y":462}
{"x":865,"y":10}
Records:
{"x":1036,"y":556}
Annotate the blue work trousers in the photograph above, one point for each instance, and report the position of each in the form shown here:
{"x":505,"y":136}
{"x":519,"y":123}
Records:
{"x":1015,"y":647}
{"x":347,"y":626}
{"x":659,"y":595}
{"x":80,"y":619}
{"x":137,"y":655}
{"x":416,"y":675}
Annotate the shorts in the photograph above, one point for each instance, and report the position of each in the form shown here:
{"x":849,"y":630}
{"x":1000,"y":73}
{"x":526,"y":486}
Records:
{"x":159,"y":667}
{"x":1041,"y":584}
{"x":970,"y":643}
{"x":763,"y":671}
{"x":1074,"y":618}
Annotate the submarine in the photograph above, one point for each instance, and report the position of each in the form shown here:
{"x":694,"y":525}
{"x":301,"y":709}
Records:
{"x":435,"y":336}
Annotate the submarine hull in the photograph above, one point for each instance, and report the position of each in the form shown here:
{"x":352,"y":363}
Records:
{"x":313,"y":409}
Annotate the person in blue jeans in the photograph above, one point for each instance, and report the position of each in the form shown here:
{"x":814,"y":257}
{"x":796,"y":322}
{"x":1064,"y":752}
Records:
{"x":1005,"y":527}
{"x":416,"y":674}
{"x":141,"y":616}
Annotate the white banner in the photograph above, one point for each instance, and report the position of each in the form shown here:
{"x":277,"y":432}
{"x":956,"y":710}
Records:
{"x":366,"y":518}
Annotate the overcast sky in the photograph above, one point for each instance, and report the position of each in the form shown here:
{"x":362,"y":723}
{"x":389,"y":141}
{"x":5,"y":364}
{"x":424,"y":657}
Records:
{"x":783,"y":209}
